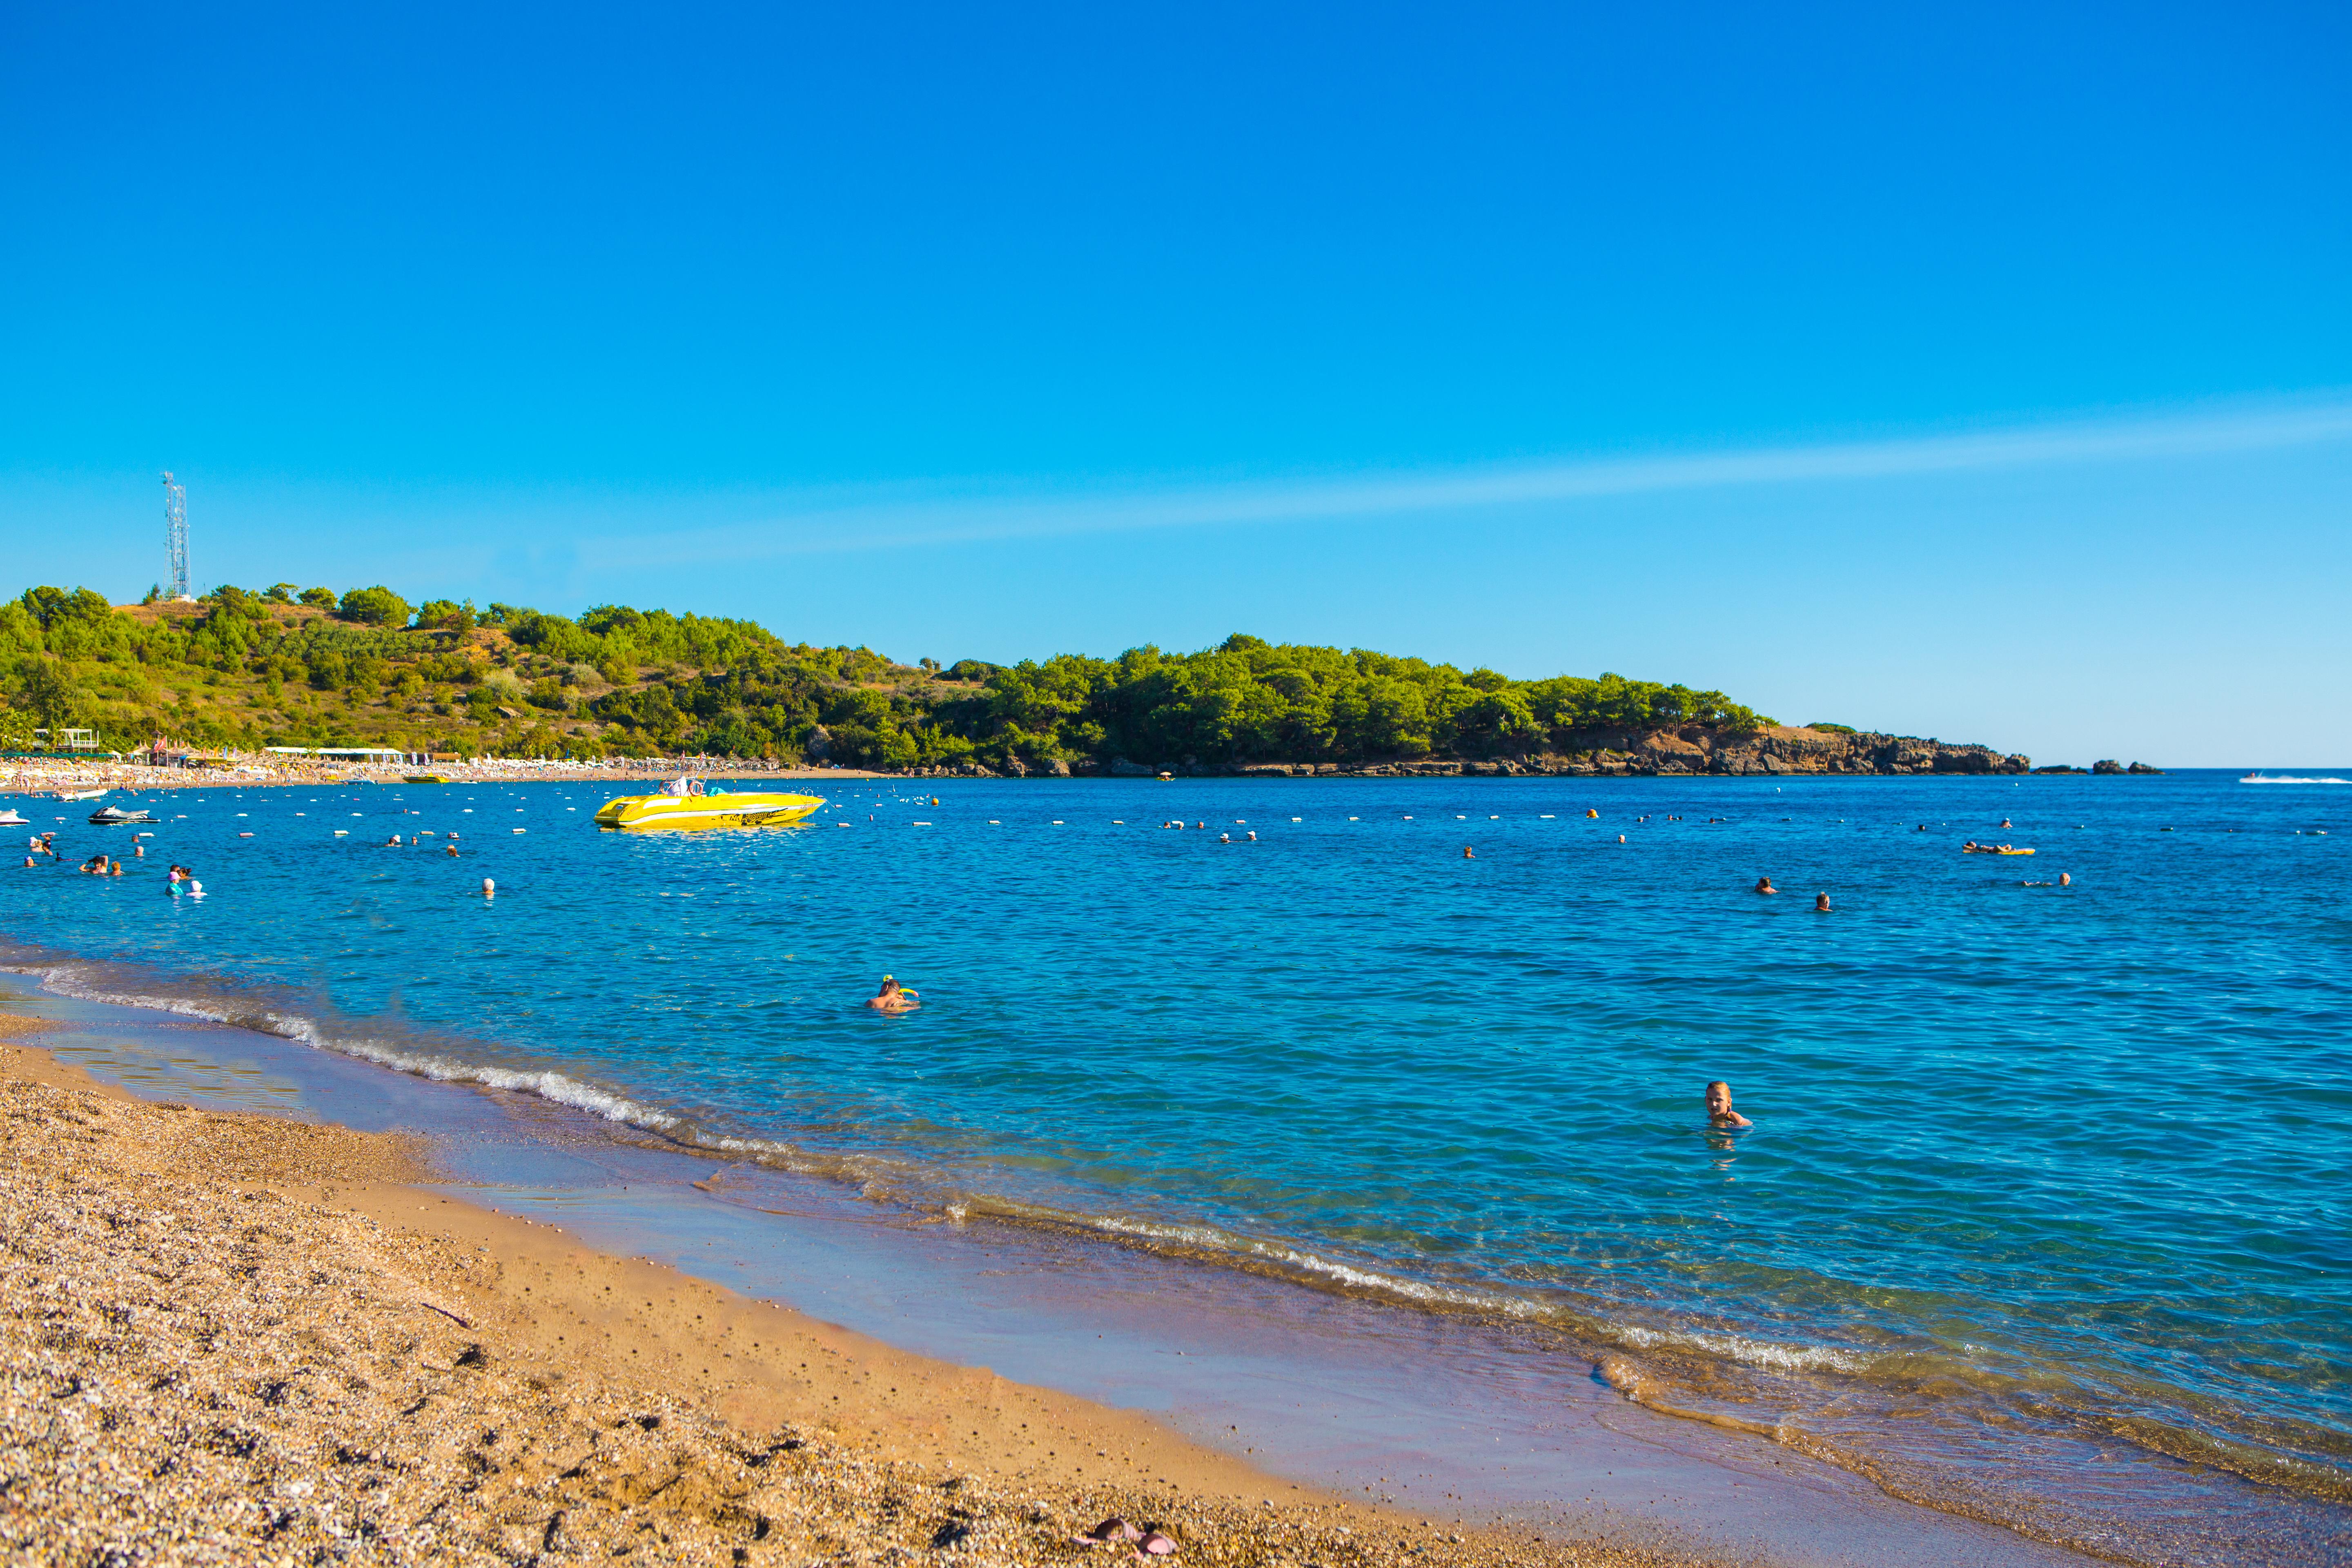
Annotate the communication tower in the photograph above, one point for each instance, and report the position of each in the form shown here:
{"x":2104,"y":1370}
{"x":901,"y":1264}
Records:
{"x":175,"y":541}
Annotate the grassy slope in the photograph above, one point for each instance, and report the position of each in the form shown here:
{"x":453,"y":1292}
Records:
{"x":244,"y":671}
{"x":492,"y":713}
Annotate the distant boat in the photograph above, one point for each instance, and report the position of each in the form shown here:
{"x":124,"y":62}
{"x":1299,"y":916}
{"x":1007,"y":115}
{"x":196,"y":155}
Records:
{"x":79,"y":793}
{"x":10,"y":819}
{"x":2257,"y":776}
{"x":710,"y":808}
{"x":425,"y":778}
{"x":107,"y":815}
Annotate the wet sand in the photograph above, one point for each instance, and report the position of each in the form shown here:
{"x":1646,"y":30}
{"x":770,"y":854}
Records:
{"x":239,"y":1338}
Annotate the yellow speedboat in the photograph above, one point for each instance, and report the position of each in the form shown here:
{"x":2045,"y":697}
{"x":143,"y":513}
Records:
{"x":425,"y":778}
{"x":713,"y":807}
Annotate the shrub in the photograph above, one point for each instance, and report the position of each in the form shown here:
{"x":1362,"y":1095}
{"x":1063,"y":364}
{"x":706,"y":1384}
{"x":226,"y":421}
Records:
{"x":376,"y":606}
{"x":441,"y":615}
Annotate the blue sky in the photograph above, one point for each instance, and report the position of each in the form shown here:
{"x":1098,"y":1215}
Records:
{"x":1982,"y":374}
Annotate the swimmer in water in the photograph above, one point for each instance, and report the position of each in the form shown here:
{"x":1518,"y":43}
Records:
{"x":1821,"y":903}
{"x":450,"y":850}
{"x":1252,"y":837}
{"x":489,"y":889}
{"x":2065,"y":878}
{"x":1224,"y":838}
{"x":2006,"y":823}
{"x":1764,"y":885}
{"x":1718,"y":1107}
{"x":894,"y":997}
{"x":1467,"y":854}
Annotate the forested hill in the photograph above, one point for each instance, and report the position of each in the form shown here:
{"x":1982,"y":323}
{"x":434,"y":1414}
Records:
{"x":292,"y":667}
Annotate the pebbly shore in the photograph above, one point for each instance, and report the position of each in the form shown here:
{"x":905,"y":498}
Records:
{"x":233,"y":1339}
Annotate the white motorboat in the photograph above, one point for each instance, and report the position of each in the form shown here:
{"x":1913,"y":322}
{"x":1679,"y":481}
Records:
{"x":79,"y":793}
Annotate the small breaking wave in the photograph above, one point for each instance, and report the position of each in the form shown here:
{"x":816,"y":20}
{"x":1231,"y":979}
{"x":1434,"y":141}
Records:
{"x":91,"y":983}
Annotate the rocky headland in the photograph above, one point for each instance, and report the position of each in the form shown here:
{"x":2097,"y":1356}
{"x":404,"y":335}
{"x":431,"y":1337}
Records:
{"x":1675,"y":751}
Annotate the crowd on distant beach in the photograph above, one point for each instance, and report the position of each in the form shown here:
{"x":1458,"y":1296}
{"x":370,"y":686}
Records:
{"x":41,"y":775}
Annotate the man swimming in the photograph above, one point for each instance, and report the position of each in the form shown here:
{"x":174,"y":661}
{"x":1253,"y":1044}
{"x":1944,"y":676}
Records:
{"x":1764,"y":885}
{"x":1718,"y":1107}
{"x":893,"y":997}
{"x":1821,"y":903}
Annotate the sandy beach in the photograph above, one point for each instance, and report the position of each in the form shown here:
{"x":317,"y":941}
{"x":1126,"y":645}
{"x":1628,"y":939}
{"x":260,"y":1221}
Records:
{"x":236,"y":1338}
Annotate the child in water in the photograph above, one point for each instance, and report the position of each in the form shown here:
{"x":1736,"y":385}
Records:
{"x":1718,"y":1107}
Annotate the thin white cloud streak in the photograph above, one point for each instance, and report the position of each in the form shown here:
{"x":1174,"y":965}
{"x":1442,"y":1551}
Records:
{"x":901,"y":525}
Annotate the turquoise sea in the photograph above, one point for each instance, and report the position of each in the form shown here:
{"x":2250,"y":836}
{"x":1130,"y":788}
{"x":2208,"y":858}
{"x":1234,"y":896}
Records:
{"x":2041,"y":1217}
